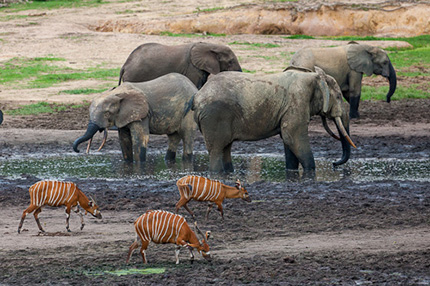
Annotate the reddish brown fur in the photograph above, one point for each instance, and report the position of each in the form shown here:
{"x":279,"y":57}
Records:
{"x":55,"y":194}
{"x":204,"y":189}
{"x":165,"y":227}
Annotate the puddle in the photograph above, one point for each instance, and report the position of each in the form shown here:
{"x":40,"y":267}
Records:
{"x":249,"y":168}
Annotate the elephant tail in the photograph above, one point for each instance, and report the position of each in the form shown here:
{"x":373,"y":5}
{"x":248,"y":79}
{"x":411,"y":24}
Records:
{"x":121,"y":73}
{"x":189,"y":105}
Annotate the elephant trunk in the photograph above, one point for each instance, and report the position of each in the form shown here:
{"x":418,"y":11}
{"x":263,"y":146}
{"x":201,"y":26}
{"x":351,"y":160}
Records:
{"x":91,"y":130}
{"x":392,"y":78}
{"x":346,"y":142}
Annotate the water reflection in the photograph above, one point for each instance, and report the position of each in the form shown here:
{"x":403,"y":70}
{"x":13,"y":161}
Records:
{"x":248,"y":168}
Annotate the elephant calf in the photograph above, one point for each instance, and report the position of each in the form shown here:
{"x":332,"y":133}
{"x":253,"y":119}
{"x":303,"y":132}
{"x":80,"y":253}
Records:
{"x":159,"y":106}
{"x":242,"y":107}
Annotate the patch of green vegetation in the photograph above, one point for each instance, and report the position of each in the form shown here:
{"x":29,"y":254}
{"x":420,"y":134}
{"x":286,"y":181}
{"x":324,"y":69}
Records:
{"x":50,"y":4}
{"x":299,"y":37}
{"x":170,"y":34}
{"x":198,"y":10}
{"x":416,"y":42}
{"x":42,"y":72}
{"x":40,"y":107}
{"x":257,"y":45}
{"x":402,"y":92}
{"x":83,"y":91}
{"x":12,"y":17}
{"x":131,"y":271}
{"x":407,"y":58}
{"x":248,"y":71}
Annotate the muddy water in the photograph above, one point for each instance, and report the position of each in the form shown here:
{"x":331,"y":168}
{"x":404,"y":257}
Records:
{"x":267,"y":167}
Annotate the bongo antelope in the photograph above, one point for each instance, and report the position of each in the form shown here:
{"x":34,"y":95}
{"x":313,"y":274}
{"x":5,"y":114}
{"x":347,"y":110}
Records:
{"x":55,"y":194}
{"x":212,"y":191}
{"x":160,"y":227}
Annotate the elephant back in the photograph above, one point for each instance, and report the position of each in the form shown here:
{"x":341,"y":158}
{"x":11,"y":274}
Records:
{"x":169,"y":98}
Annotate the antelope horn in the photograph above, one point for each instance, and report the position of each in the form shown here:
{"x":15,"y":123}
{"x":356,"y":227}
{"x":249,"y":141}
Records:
{"x":104,"y":139}
{"x":343,"y":131}
{"x":327,"y":128}
{"x":198,"y":230}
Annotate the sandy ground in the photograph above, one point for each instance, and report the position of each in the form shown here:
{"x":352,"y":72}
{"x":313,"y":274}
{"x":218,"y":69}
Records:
{"x":293,"y":233}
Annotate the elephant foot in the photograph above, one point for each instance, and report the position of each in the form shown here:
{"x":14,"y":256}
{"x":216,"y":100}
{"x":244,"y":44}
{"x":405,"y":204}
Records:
{"x":187,"y":158}
{"x":170,"y":156}
{"x":354,"y":115}
{"x":228,"y":167}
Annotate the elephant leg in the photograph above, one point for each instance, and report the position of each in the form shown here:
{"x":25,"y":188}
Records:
{"x":215,"y":161}
{"x":291,"y":161}
{"x":125,"y":142}
{"x":226,"y":158}
{"x":354,"y":94}
{"x":174,"y":140}
{"x":296,"y":138}
{"x":187,"y":135}
{"x":139,"y":137}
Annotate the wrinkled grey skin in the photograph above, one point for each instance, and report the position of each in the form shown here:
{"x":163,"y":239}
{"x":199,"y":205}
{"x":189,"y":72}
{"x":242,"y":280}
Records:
{"x":160,"y":106}
{"x":244,"y":107}
{"x":196,"y":61}
{"x":347,"y":65}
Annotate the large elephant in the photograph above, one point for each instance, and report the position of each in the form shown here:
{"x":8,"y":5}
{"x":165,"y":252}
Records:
{"x":347,"y":65}
{"x":160,"y":106}
{"x":243,"y":107}
{"x":196,"y":61}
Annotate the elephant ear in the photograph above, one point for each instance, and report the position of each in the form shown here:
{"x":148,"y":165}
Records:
{"x":322,"y":83}
{"x":205,"y":57}
{"x":133,"y":107}
{"x":360,"y":58}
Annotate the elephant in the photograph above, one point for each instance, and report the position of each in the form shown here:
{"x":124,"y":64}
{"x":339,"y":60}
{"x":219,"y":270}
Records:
{"x":243,"y":107}
{"x":347,"y":64}
{"x":195,"y":60}
{"x":159,"y":106}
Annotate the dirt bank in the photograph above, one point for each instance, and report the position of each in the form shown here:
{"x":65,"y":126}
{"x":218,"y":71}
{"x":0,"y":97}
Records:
{"x":315,"y":18}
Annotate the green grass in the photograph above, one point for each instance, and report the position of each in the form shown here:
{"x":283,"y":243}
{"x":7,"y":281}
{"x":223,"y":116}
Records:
{"x":83,"y":91}
{"x":41,"y":107}
{"x":198,"y":10}
{"x":170,"y":34}
{"x":402,"y":92}
{"x":42,"y":72}
{"x":255,"y":45}
{"x":50,"y":4}
{"x":299,"y":37}
{"x":11,"y":17}
{"x":416,"y":42}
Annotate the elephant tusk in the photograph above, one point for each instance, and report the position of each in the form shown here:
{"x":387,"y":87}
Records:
{"x":343,"y":131}
{"x":104,"y":139}
{"x":89,"y":145}
{"x":327,"y":128}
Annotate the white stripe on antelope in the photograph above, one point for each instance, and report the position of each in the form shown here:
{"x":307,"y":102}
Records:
{"x":165,"y":227}
{"x":55,"y":194}
{"x":204,"y":189}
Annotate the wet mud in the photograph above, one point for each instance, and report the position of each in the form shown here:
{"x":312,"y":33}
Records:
{"x":341,"y":232}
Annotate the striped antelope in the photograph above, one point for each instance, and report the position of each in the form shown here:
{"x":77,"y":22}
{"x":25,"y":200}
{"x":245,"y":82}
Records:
{"x":55,"y":194}
{"x":166,"y":227}
{"x":212,"y":191}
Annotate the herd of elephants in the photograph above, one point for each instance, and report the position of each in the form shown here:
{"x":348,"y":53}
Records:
{"x":175,"y":89}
